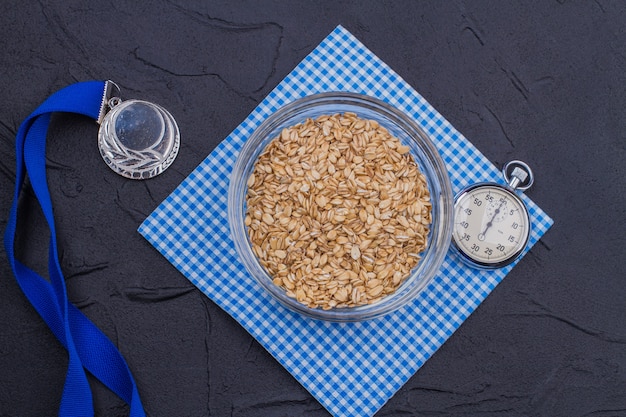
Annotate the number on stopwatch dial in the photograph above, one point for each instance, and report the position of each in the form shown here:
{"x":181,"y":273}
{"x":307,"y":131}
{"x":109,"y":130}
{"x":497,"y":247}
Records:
{"x":491,"y":225}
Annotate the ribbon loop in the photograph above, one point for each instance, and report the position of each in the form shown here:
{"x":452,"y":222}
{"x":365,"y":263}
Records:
{"x":88,"y":348}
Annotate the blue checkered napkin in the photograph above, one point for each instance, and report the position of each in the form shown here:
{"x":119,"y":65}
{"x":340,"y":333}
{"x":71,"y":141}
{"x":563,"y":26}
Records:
{"x":351,"y":368}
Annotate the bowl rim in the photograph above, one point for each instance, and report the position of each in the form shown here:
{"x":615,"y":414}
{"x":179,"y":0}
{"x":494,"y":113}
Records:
{"x":442,"y":221}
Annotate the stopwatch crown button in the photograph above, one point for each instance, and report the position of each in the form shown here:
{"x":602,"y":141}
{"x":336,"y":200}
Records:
{"x":518,"y":176}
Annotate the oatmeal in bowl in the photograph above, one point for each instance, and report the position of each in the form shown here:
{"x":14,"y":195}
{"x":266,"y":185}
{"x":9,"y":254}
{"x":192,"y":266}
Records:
{"x":340,"y":207}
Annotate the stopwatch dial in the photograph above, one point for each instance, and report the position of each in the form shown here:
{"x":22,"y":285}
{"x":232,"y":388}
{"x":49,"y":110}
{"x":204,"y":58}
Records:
{"x":495,"y":211}
{"x":491,"y":225}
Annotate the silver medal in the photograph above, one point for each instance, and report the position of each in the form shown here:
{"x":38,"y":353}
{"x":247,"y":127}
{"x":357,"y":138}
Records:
{"x":137,"y":139}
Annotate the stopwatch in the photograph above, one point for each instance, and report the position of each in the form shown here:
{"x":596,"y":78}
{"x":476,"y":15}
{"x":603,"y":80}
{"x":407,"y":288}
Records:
{"x":491,"y":222}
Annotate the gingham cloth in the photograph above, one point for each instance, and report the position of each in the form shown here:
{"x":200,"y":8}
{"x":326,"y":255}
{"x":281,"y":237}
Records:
{"x":352,"y":369}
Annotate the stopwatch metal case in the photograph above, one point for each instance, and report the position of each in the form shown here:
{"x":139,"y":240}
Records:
{"x":137,"y":139}
{"x":518,"y":176}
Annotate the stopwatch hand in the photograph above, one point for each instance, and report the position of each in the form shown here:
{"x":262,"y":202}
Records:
{"x":481,"y":236}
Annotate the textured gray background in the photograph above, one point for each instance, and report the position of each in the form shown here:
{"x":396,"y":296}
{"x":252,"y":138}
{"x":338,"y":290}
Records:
{"x":541,"y":81}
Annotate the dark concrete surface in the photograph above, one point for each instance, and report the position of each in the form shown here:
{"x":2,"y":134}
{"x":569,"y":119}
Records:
{"x":541,"y":81}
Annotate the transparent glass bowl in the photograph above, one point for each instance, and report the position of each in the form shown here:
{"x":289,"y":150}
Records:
{"x":425,"y":155}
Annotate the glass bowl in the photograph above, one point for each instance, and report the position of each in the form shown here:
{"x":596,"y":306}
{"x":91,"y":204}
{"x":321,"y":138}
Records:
{"x":425,"y":155}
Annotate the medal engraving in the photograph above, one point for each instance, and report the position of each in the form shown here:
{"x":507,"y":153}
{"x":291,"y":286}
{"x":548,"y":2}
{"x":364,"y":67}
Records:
{"x":138,"y":139}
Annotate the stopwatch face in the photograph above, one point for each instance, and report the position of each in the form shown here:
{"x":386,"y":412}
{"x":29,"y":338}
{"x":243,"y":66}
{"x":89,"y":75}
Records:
{"x":491,"y":226}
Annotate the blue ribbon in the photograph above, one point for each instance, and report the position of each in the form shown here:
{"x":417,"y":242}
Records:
{"x":87,"y":346}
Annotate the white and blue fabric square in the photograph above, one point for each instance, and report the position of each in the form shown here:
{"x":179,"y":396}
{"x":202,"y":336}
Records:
{"x":352,"y":369}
